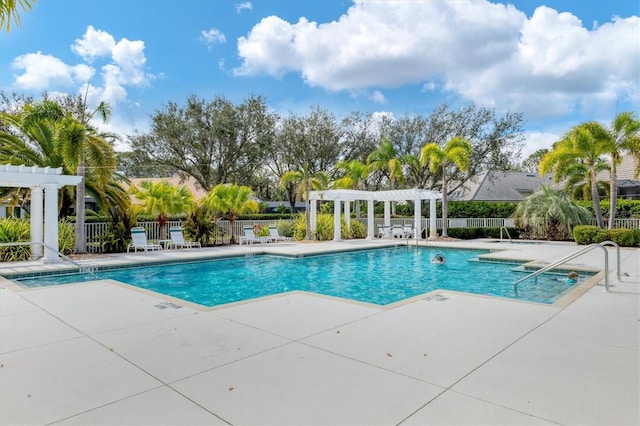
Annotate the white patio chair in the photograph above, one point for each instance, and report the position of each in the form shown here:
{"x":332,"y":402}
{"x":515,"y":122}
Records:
{"x":384,"y":231}
{"x":177,"y":239}
{"x":275,"y":235}
{"x":397,"y":231}
{"x":249,"y":237}
{"x":139,"y":241}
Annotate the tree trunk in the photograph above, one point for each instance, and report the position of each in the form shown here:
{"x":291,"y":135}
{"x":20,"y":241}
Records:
{"x":613,"y":193}
{"x":81,"y":244}
{"x":307,"y":213}
{"x":393,"y":203}
{"x":595,"y":197}
{"x":444,"y":203}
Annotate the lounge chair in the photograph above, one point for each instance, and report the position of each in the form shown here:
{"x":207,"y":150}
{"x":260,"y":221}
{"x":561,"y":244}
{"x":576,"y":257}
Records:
{"x":397,"y":231}
{"x":384,"y":231}
{"x":177,"y":239}
{"x":275,"y":235}
{"x":249,"y":236}
{"x":139,"y":241}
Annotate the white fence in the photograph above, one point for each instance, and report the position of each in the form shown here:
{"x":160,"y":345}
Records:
{"x":94,"y":230}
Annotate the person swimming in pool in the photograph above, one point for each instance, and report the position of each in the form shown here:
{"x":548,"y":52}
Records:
{"x":438,"y":258}
{"x":572,"y":277}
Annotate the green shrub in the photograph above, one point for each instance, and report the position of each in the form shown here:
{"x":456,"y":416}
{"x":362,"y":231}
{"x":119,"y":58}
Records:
{"x":358,"y":230}
{"x":587,"y":234}
{"x":473,"y":233}
{"x":14,"y":230}
{"x":584,"y":234}
{"x":66,"y":237}
{"x":285,"y":228}
{"x":622,"y":237}
{"x":324,"y":228}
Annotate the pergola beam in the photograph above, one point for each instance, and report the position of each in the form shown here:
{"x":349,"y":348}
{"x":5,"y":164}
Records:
{"x":347,"y":195}
{"x":40,"y":179}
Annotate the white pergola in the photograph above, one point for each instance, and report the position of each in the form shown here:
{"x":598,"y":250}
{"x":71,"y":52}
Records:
{"x":44,"y":183}
{"x":345,"y":196}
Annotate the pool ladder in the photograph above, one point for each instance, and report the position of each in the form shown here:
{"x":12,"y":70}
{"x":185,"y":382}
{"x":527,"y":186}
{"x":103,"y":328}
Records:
{"x":507,"y":232}
{"x":573,"y":256}
{"x":91,"y":270}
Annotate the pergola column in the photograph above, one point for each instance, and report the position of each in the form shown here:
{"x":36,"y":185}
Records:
{"x":347,"y":213}
{"x":313,"y":216}
{"x":370,"y":222}
{"x":417,"y":224}
{"x":336,"y":221}
{"x":433,"y":231}
{"x":387,"y":213}
{"x":51,"y":224}
{"x":37,"y":215}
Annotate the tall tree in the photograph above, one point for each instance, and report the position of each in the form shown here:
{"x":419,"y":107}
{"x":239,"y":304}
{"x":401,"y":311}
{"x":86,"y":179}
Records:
{"x":622,"y":137}
{"x":162,"y":199}
{"x":385,"y":161}
{"x":455,"y":154}
{"x":531,"y":163}
{"x":231,"y":200}
{"x":577,"y":179}
{"x":354,"y":176}
{"x":579,"y":144}
{"x":9,"y":11}
{"x":212,"y":141}
{"x":44,"y":134}
{"x":310,"y":142}
{"x":305,"y":181}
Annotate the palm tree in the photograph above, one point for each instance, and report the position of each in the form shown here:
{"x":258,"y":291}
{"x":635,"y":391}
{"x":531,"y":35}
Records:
{"x":578,"y":181}
{"x":50,"y":137}
{"x":622,"y":137}
{"x":385,"y":160}
{"x":456,"y":153}
{"x":551,"y":214}
{"x":354,"y":177}
{"x":9,"y":10}
{"x":162,"y":199}
{"x":305,"y":182}
{"x":231,"y":200}
{"x":579,"y":144}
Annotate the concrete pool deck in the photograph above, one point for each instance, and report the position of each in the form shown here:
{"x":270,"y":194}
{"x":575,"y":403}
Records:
{"x":103,"y":353}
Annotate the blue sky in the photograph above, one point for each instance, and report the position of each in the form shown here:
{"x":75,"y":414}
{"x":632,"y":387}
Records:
{"x":559,"y":62}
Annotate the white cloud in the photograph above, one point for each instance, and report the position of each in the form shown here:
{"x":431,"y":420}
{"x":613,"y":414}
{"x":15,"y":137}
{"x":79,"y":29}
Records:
{"x":212,"y":36}
{"x":123,"y":65}
{"x":42,"y":71}
{"x":378,"y":97}
{"x":538,"y":140}
{"x":546,"y":65}
{"x":129,"y":57}
{"x":247,"y":5}
{"x":94,"y":44}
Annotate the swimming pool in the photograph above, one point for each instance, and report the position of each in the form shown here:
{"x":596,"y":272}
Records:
{"x":378,"y":276}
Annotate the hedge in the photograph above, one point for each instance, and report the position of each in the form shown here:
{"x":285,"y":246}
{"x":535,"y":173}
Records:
{"x":473,"y":233}
{"x":588,"y":234}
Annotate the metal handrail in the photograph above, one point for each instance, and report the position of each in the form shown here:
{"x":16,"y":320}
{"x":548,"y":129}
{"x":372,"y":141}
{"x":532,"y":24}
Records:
{"x":566,"y":259}
{"x":612,"y":243}
{"x":507,"y":231}
{"x":82,"y":269}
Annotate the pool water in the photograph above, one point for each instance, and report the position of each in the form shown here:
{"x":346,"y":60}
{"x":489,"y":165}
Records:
{"x":380,"y":276}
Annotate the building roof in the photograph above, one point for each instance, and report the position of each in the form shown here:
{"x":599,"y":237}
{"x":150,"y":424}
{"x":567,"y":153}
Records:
{"x":501,"y":186}
{"x":625,"y":170}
